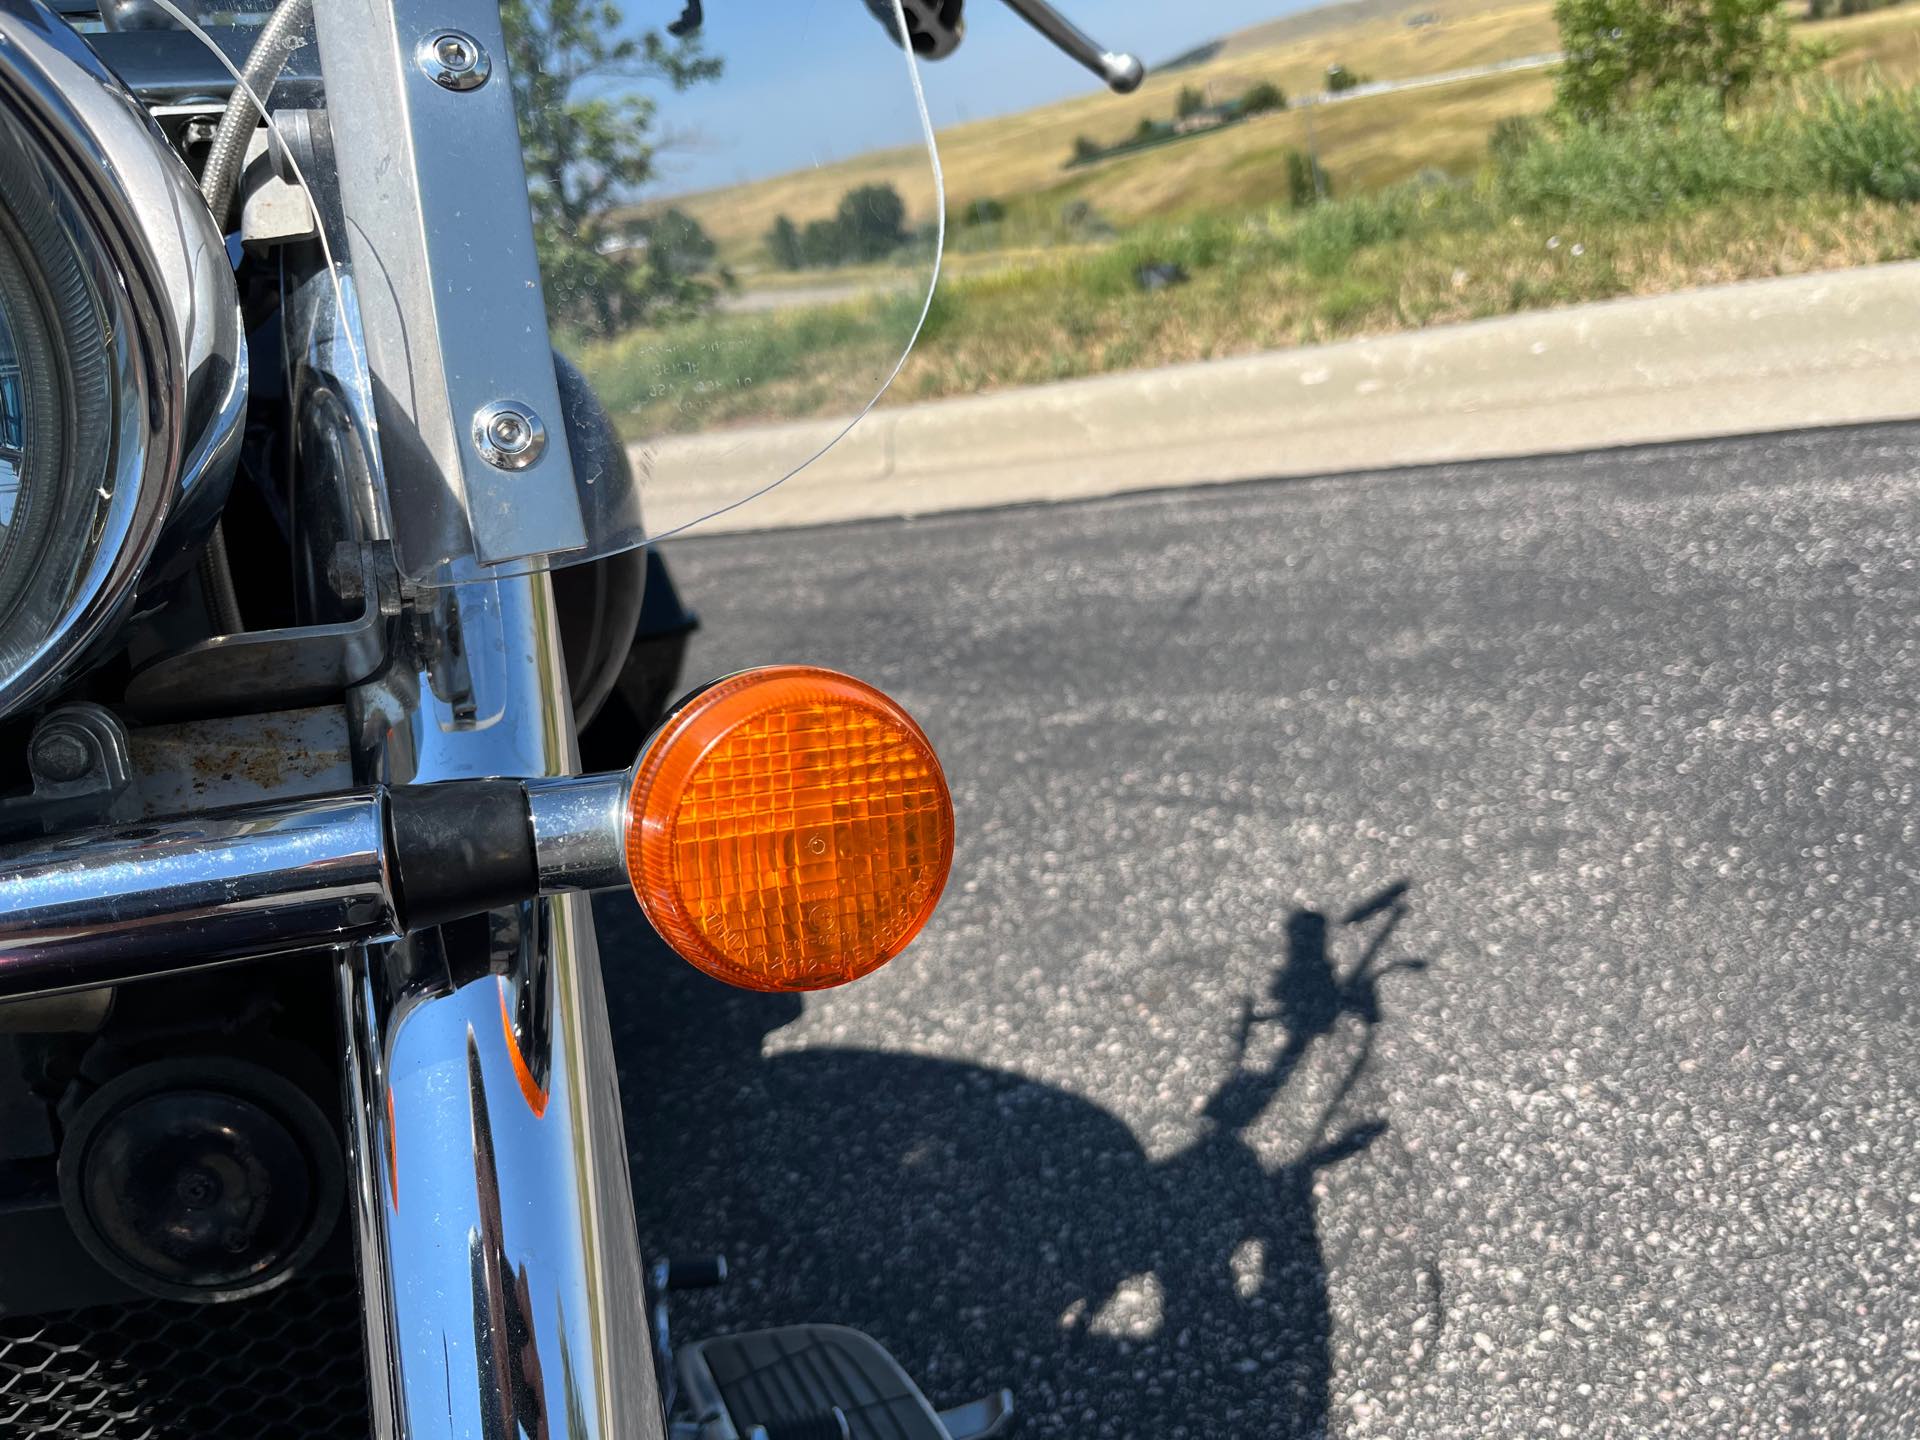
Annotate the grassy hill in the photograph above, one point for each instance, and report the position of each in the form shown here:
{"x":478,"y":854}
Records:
{"x":1822,"y":174}
{"x":1010,"y":156}
{"x":1364,"y":143}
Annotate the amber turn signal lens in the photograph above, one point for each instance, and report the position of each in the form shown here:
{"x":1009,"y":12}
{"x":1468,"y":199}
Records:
{"x":789,"y":829}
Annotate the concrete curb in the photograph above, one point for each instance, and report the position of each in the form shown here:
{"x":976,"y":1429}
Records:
{"x":1836,"y":348}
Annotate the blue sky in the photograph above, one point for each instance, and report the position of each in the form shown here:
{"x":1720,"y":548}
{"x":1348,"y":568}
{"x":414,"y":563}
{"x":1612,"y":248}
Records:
{"x":812,"y":81}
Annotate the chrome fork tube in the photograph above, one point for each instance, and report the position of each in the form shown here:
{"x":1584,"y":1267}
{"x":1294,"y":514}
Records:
{"x":500,"y":1266}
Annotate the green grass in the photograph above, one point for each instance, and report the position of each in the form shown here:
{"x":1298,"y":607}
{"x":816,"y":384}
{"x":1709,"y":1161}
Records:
{"x":1675,"y":197}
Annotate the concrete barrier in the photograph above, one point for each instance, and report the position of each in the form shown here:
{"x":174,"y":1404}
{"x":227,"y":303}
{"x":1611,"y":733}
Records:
{"x":1836,"y":348}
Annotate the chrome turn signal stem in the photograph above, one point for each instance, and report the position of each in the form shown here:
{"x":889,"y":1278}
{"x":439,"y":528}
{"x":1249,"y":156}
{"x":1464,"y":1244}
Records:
{"x":108,"y":906}
{"x":579,"y":831}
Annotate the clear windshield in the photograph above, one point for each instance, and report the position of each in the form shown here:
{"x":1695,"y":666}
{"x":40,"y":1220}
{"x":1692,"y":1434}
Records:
{"x":738,"y":222}
{"x":715,"y":213}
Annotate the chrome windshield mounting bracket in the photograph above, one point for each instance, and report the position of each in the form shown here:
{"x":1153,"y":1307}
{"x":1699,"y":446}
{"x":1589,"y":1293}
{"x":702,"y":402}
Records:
{"x":441,"y":236}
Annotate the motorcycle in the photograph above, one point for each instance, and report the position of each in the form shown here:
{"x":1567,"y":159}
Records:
{"x":321,"y":570}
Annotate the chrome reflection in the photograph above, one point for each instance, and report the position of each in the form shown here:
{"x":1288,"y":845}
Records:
{"x":101,"y":907}
{"x":495,"y":1214}
{"x":85,"y":161}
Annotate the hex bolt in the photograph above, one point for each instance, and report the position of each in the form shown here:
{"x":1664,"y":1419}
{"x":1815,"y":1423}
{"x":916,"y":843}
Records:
{"x":454,"y":60}
{"x":508,"y":435}
{"x":61,"y":756}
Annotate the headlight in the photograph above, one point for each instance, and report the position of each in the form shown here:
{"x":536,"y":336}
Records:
{"x":122,"y":375}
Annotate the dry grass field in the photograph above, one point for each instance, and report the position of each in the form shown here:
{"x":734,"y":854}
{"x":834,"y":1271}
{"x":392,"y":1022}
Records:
{"x":1363,"y":143}
{"x":1821,"y":174}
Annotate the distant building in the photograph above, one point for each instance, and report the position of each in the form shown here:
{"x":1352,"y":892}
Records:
{"x":1211,"y":118}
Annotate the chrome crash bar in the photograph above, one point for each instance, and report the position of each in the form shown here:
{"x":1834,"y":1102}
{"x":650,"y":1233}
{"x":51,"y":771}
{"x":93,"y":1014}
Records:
{"x":108,"y":906}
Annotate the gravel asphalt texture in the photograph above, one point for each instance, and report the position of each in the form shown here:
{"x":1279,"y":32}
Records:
{"x":1606,"y":1125}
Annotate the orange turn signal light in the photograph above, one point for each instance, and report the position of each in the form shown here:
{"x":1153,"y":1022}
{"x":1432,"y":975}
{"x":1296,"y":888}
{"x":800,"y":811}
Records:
{"x":789,"y":829}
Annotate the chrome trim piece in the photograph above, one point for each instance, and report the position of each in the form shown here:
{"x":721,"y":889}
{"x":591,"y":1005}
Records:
{"x":504,"y":1284}
{"x":160,"y":272}
{"x":508,"y":435}
{"x":104,"y":907}
{"x":579,"y":831}
{"x":451,"y":325}
{"x":454,"y":60}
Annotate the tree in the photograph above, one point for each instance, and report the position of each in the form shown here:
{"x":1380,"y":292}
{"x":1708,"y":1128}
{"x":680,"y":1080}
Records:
{"x":1620,"y":51}
{"x":1190,"y":102}
{"x":1264,"y":97}
{"x":1307,"y":182}
{"x":586,"y":134}
{"x":1086,"y":148}
{"x":873,"y":221}
{"x":783,"y":244}
{"x":1148,"y":128}
{"x":679,"y":246}
{"x":1339,"y":78}
{"x":823,"y":244}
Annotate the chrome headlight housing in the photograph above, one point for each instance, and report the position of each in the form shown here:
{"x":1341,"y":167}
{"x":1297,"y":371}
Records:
{"x":122,"y":371}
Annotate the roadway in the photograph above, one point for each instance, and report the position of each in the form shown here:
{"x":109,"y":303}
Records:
{"x":1611,"y":1132}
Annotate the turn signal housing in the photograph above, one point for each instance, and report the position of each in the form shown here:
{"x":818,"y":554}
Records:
{"x":789,"y":828}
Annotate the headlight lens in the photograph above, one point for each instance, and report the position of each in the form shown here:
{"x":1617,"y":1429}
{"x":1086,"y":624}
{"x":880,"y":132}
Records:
{"x":122,"y":370}
{"x":56,"y":416}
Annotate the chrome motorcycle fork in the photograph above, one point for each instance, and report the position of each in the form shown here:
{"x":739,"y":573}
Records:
{"x":499,"y":1263}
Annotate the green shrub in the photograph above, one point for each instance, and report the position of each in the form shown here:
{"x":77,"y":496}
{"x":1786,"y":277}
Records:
{"x":1677,"y":149}
{"x":1327,"y":237}
{"x":1193,"y":245}
{"x":1865,"y":143}
{"x":1262,"y":98}
{"x":783,"y":244}
{"x":1512,"y":136}
{"x":1307,"y":181}
{"x":1349,"y":302}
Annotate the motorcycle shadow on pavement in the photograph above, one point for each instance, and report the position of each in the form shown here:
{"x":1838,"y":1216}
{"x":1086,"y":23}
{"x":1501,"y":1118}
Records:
{"x":992,"y":1230}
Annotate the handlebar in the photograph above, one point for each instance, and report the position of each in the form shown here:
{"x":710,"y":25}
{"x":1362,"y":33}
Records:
{"x":1121,"y":72}
{"x":935,"y":29}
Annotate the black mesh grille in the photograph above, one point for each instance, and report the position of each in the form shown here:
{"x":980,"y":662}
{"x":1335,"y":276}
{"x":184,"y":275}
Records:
{"x":286,"y":1364}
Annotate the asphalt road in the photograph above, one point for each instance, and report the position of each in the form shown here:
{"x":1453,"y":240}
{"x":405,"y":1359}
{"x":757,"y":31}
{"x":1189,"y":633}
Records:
{"x":1612,"y":1132}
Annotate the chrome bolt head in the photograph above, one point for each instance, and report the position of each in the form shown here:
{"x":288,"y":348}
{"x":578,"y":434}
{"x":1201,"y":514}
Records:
{"x":454,"y":60}
{"x":508,"y":435}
